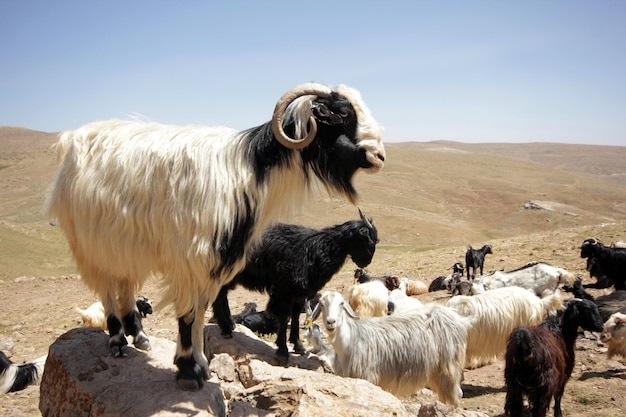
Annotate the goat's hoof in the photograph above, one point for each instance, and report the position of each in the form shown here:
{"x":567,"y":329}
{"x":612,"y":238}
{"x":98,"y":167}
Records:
{"x":282,"y":358}
{"x":298,"y":348}
{"x":189,"y":384}
{"x":118,"y":351}
{"x":190,"y":375}
{"x":117,"y":344}
{"x":142,"y":343}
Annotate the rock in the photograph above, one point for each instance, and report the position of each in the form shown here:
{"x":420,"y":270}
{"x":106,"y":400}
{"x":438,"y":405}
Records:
{"x":81,"y":378}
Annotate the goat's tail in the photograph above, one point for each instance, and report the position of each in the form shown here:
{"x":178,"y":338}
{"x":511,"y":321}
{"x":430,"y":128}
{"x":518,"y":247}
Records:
{"x":17,"y":377}
{"x":552,"y":303}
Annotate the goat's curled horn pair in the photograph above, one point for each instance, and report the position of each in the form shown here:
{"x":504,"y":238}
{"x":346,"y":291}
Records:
{"x":279,"y":111}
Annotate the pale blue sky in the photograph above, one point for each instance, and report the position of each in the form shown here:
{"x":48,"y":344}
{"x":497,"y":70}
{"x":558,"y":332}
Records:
{"x":469,"y":71}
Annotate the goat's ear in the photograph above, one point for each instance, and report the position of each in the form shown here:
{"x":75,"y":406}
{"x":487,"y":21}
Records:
{"x":307,"y":309}
{"x":350,"y":311}
{"x":316,"y":312}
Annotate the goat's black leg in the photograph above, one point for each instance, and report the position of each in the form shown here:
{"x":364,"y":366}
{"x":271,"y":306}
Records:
{"x":221,"y":311}
{"x":557,"y":403}
{"x":279,"y":307}
{"x":514,"y":403}
{"x":117,"y":340}
{"x":133,"y":327}
{"x":281,"y":339}
{"x":190,"y":375}
{"x":131,"y":319}
{"x":539,"y":403}
{"x":294,"y":334}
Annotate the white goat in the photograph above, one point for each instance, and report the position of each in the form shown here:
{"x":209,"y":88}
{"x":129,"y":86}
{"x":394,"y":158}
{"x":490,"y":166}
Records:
{"x":400,"y":301}
{"x":313,"y":336}
{"x":401,"y":353}
{"x":370,"y":299}
{"x":414,"y":287}
{"x":540,"y":277}
{"x":93,"y":316}
{"x":186,"y":203}
{"x":493,"y":316}
{"x":614,"y":335}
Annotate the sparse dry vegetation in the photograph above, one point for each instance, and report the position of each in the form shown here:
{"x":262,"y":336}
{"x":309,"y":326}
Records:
{"x":429,"y":203}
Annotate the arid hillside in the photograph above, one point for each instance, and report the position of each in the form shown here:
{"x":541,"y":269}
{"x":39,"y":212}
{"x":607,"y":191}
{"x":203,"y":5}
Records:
{"x":532,"y":202}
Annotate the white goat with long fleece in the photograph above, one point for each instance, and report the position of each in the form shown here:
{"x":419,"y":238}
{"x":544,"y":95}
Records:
{"x":401,"y":353}
{"x":493,"y":316}
{"x":540,"y":277}
{"x":400,"y":301}
{"x":369,"y":299}
{"x":186,"y":203}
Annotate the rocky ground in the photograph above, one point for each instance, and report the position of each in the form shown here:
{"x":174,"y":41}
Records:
{"x":41,"y":309}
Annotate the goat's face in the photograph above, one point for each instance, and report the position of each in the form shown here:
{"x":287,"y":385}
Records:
{"x":332,"y":306}
{"x":588,"y":248}
{"x":363,"y":243}
{"x":357,"y":123}
{"x":586,"y":315}
{"x":348,"y":140}
{"x":614,"y":329}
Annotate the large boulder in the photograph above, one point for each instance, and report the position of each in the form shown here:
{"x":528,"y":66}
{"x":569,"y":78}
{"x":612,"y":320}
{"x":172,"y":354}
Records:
{"x":81,"y":378}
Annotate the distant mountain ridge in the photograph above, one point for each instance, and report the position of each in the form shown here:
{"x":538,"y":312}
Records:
{"x":429,"y":195}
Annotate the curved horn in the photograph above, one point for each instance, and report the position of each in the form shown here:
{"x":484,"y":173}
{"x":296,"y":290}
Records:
{"x":279,"y":111}
{"x":364,"y":219}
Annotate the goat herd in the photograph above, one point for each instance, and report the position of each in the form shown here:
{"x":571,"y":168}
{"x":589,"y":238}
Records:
{"x":199,"y":207}
{"x":518,"y":313}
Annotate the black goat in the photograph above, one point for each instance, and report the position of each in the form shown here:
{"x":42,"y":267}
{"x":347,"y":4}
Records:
{"x":444,"y":282}
{"x":475,"y":258}
{"x":540,"y":359}
{"x":15,"y":377}
{"x":607,"y":304}
{"x":292,"y":263}
{"x":595,"y":271}
{"x":610,"y":261}
{"x":258,"y":321}
{"x":457,"y":268}
{"x":391,"y":281}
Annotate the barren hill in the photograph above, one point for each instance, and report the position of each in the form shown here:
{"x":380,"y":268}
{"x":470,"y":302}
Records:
{"x":429,"y":195}
{"x":532,"y":202}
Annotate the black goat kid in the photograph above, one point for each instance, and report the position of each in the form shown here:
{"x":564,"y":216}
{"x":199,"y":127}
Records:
{"x":540,"y":359}
{"x":475,"y":258}
{"x":292,"y":263}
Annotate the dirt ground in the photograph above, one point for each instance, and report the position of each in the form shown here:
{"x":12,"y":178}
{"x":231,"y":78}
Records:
{"x":41,"y":309}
